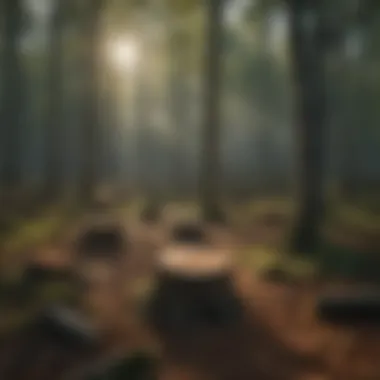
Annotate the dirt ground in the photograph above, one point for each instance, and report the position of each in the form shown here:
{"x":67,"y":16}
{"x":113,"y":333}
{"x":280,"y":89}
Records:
{"x":279,"y":337}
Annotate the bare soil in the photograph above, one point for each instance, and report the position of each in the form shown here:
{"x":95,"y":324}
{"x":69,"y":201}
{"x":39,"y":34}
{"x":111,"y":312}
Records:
{"x":279,"y":337}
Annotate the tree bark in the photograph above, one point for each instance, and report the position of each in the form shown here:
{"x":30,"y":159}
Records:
{"x":53,"y":132}
{"x":91,"y":123}
{"x":146,"y":147}
{"x":12,"y":96}
{"x":178,"y":109}
{"x":210,"y":155}
{"x":308,"y":59}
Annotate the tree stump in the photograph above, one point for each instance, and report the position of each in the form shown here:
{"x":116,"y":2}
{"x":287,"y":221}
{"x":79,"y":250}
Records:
{"x":189,"y":233}
{"x":106,"y":241}
{"x":100,"y":264}
{"x":194,"y":290}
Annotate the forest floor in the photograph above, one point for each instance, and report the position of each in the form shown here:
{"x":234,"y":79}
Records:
{"x":279,"y":337}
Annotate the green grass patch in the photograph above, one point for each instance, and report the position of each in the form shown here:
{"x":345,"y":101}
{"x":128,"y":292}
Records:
{"x":257,"y":209}
{"x":258,"y":257}
{"x":357,"y":217}
{"x":33,"y":233}
{"x":28,"y":234}
{"x":331,"y":262}
{"x":271,"y":264}
{"x":268,"y":206}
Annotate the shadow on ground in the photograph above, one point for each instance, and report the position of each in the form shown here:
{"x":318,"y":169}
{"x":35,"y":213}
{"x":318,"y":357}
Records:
{"x":245,"y":352}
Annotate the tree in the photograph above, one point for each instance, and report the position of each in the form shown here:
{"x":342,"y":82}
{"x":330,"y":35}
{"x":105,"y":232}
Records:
{"x":184,"y":36}
{"x":210,"y":166}
{"x":260,"y":79}
{"x":308,"y":49}
{"x":177,"y":85}
{"x":12,"y":95}
{"x":90,"y":138}
{"x":53,"y":127}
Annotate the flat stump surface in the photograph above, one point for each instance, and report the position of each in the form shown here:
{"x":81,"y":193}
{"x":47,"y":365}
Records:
{"x":194,"y":261}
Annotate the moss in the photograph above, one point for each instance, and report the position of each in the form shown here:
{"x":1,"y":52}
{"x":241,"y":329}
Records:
{"x":362,"y":218}
{"x":273,"y":265}
{"x":260,"y":208}
{"x":28,"y":234}
{"x":258,"y":257}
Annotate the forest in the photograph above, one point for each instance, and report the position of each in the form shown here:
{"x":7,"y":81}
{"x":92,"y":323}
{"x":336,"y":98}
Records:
{"x":183,"y":184}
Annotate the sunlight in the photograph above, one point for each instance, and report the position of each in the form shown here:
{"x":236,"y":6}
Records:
{"x":124,"y":53}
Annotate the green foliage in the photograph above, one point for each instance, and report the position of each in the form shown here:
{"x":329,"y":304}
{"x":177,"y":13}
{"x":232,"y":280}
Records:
{"x":27,"y":234}
{"x":274,"y":265}
{"x":356,"y":216}
{"x":33,"y":233}
{"x":259,"y":258}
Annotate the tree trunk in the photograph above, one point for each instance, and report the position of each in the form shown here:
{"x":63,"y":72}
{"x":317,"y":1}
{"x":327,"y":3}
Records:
{"x":178,"y":109}
{"x":146,"y":147}
{"x":12,"y":96}
{"x":91,"y":123}
{"x":308,"y":59}
{"x":349,"y":184}
{"x":53,"y":131}
{"x":210,"y":155}
{"x":142,"y":111}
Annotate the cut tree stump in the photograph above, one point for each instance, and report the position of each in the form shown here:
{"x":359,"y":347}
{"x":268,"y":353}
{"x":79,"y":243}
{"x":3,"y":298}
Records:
{"x":194,"y":290}
{"x":189,"y":233}
{"x":101,"y":241}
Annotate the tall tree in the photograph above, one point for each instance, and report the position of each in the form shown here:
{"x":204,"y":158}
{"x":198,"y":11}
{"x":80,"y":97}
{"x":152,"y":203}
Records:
{"x":12,"y":95}
{"x":91,"y":124}
{"x":177,"y":47}
{"x":307,"y":40}
{"x":147,"y":154}
{"x":143,"y":102}
{"x":53,"y":126}
{"x":183,"y":41}
{"x":210,"y":165}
